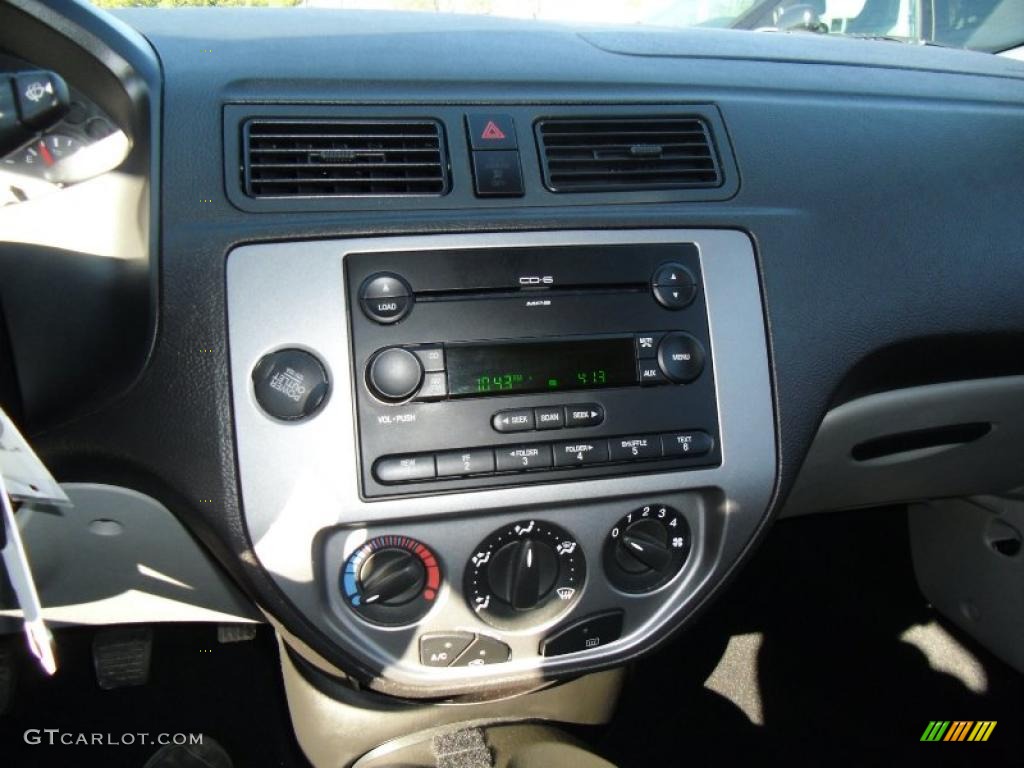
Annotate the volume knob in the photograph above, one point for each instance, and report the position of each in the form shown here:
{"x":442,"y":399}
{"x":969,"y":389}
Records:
{"x":394,"y":374}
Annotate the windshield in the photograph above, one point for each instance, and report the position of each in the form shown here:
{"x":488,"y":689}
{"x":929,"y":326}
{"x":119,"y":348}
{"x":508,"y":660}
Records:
{"x":984,"y":25}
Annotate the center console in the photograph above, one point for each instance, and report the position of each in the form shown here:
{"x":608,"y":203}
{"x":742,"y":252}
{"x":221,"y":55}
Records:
{"x":477,"y":461}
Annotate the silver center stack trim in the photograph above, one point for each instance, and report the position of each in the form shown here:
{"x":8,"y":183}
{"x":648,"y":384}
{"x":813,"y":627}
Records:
{"x":300,"y":482}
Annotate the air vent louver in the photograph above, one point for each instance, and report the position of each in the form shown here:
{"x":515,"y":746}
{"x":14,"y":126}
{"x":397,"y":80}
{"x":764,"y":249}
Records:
{"x":344,"y":158}
{"x":597,"y":155}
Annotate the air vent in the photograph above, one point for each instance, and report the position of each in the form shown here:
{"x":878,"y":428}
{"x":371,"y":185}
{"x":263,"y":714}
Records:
{"x":593,"y":155}
{"x":344,"y":158}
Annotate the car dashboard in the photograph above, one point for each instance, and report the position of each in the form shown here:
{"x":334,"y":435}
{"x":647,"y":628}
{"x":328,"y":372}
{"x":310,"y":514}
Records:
{"x":482,"y":367}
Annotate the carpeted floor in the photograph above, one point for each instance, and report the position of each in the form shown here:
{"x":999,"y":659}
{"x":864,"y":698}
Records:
{"x":822,"y":653}
{"x":231,"y":692}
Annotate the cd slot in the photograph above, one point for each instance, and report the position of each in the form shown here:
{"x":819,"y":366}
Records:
{"x":478,"y":294}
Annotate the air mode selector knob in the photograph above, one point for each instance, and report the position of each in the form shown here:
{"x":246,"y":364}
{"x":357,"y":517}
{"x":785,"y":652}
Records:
{"x":394,"y":374}
{"x":523,"y":573}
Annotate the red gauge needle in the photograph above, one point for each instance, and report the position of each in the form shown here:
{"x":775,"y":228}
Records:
{"x":45,"y":152}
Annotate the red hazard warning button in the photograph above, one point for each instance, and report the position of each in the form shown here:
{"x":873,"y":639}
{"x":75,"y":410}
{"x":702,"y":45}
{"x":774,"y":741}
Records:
{"x":491,"y":131}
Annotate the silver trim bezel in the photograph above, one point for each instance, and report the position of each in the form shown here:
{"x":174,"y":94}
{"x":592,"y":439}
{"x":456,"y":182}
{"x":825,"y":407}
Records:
{"x":300,"y":482}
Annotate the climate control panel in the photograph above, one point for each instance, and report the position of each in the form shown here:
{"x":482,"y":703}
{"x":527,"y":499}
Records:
{"x":529,"y":574}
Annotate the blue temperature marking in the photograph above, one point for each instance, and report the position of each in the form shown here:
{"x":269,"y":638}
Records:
{"x":349,"y":578}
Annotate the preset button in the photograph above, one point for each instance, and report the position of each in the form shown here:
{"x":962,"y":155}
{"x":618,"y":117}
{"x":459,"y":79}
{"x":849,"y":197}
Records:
{"x":686,"y":444}
{"x":635,"y":448}
{"x":576,"y":453}
{"x":472,"y":461}
{"x":522,"y":457}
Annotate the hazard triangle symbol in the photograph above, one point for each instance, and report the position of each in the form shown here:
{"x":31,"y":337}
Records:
{"x":492,"y":131}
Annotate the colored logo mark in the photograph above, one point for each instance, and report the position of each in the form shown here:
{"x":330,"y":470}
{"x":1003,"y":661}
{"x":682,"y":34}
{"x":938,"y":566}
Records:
{"x":958,"y":730}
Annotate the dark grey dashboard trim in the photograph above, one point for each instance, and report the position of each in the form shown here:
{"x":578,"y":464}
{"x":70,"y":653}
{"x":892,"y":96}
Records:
{"x":300,"y":482}
{"x":460,"y":196}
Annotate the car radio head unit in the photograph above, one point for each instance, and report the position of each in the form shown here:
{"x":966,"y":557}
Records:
{"x":507,"y":366}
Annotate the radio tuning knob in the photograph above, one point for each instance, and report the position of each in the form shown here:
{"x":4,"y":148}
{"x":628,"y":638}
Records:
{"x":394,"y":374}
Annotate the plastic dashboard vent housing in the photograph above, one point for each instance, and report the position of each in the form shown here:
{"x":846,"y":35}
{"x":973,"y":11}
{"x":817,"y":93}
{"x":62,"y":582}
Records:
{"x":605,"y":155}
{"x":344,"y":158}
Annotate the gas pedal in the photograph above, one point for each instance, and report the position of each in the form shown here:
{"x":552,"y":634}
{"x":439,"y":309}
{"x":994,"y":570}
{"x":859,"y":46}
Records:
{"x":121,"y":656}
{"x":235,"y":633}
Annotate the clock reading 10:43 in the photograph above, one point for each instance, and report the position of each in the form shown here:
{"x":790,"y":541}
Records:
{"x":510,"y":382}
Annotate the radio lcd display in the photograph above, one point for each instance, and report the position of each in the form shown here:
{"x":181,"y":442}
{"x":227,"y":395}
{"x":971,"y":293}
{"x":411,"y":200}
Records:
{"x":478,"y":370}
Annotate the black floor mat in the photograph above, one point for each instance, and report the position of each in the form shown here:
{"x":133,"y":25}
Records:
{"x":232,"y":692}
{"x":831,"y":596}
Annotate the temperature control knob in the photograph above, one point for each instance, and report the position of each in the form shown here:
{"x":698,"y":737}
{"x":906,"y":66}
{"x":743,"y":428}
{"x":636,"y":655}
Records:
{"x":391,"y":580}
{"x":646,"y":548}
{"x":525,"y":574}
